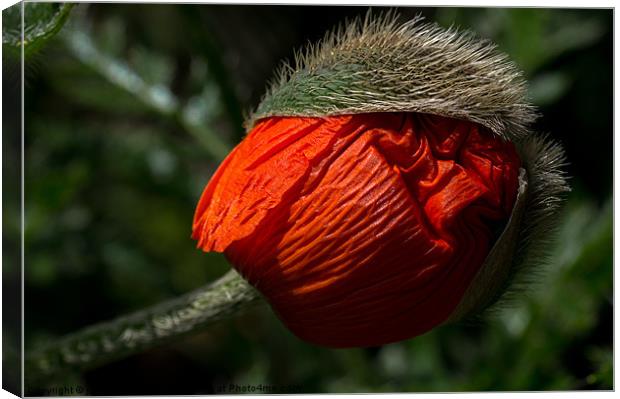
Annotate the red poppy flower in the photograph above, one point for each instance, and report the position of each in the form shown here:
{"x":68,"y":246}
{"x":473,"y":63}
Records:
{"x":362,"y":229}
{"x":363,"y":216}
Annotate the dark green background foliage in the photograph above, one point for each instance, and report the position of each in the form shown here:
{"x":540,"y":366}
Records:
{"x":129,"y":110}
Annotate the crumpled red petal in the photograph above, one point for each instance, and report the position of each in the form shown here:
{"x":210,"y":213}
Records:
{"x":360,"y":230}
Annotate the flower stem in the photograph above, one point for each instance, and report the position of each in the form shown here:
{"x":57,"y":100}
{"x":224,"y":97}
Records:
{"x":112,"y":340}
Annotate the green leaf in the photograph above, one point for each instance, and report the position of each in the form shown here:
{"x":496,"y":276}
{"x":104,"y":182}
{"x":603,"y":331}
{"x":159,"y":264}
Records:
{"x":41,"y":22}
{"x":157,"y":97}
{"x":547,"y":88}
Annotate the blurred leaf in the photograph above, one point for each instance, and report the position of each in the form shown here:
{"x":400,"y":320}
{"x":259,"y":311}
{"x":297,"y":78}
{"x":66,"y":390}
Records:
{"x":41,"y":271}
{"x":564,"y":303}
{"x":130,"y":274}
{"x":153,"y":67}
{"x":157,"y":96}
{"x":200,"y":110}
{"x":41,"y":22}
{"x":118,"y":73}
{"x":84,"y":88}
{"x":604,"y":363}
{"x":573,"y":35}
{"x":204,"y":42}
{"x":547,"y":88}
{"x":533,"y":37}
{"x":112,"y":36}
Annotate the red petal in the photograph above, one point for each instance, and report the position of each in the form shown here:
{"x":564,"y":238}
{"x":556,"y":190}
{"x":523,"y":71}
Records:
{"x":360,"y":230}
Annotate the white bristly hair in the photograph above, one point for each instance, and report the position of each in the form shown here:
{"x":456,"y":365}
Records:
{"x":376,"y":64}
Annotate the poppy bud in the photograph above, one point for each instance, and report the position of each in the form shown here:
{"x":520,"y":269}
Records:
{"x":388,"y":184}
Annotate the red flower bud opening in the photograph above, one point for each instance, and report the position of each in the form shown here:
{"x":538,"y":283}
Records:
{"x":362,"y":229}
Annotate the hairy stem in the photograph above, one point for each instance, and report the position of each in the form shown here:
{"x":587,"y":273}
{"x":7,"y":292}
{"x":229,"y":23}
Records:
{"x":108,"y":341}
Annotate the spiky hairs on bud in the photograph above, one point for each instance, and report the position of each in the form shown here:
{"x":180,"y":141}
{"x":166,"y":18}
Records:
{"x":520,"y":253}
{"x":377,"y":64}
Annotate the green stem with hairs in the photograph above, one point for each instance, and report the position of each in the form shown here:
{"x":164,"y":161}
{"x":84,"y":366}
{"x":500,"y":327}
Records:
{"x":167,"y":321}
